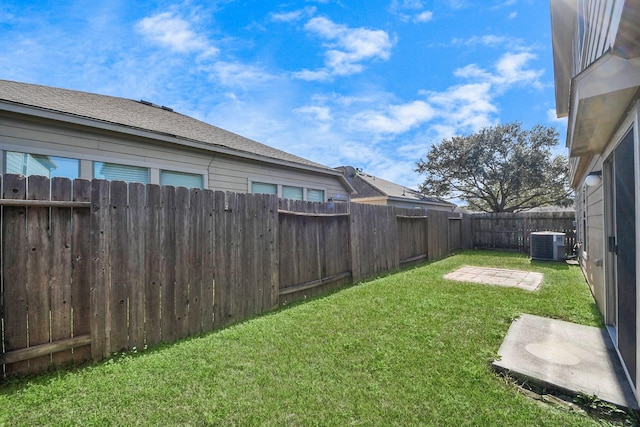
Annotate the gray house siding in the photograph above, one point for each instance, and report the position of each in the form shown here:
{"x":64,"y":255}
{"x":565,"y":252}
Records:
{"x":94,"y":128}
{"x":596,"y":53}
{"x":235,"y":175}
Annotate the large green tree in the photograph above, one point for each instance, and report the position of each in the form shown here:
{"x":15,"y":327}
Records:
{"x":498,"y":169}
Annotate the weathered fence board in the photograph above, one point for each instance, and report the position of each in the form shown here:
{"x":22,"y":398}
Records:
{"x":182,"y":262}
{"x":136,"y":273}
{"x":412,"y":235}
{"x":373,"y":240}
{"x":37,"y":269}
{"x":244,"y":242}
{"x":81,"y":268}
{"x":14,"y":229}
{"x":142,"y":264}
{"x":195,"y":245}
{"x":512,"y":231}
{"x":100,"y":269}
{"x":167,"y":237}
{"x":118,"y":289}
{"x":154,"y":264}
{"x":60,"y":283}
{"x":455,"y":233}
{"x":313,"y":246}
{"x":208,"y":261}
{"x":438,"y":237}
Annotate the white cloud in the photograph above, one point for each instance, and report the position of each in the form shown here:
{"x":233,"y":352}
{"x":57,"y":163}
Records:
{"x":321,"y":114}
{"x":406,"y":4}
{"x":346,"y":48}
{"x":174,"y":33}
{"x":410,"y":11}
{"x":238,"y":75}
{"x":513,"y":15}
{"x":487,"y":40}
{"x":293,"y":16}
{"x":317,"y":75}
{"x":510,"y":69}
{"x":395,"y":119}
{"x":472,"y":71}
{"x":425,"y":16}
{"x":505,"y":4}
{"x":466,"y":107}
{"x":460,"y":108}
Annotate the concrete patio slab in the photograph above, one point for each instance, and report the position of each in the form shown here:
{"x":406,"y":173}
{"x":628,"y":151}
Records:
{"x":565,"y":356}
{"x":527,"y":280}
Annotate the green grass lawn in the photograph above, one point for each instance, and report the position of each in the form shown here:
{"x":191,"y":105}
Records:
{"x":407,"y":349}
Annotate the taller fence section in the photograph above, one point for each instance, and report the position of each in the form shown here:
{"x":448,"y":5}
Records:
{"x":314,"y":253}
{"x":246,"y":271}
{"x":89,"y":268}
{"x":45,"y":280}
{"x":512,"y":231}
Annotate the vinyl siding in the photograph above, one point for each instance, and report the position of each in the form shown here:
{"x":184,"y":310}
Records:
{"x":222,"y":172}
{"x":600,"y":26}
{"x":595,"y":254}
{"x":235,"y":174}
{"x":66,"y":141}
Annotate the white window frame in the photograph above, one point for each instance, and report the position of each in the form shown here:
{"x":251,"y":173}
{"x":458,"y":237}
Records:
{"x":86,"y":162}
{"x":281,"y":184}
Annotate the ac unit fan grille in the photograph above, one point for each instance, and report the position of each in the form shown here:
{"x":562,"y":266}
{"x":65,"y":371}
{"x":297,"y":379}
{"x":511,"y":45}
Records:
{"x":547,"y":246}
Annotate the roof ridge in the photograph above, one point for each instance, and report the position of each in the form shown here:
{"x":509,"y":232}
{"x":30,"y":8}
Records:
{"x":135,"y":114}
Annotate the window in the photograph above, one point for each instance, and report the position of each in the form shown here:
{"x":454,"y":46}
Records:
{"x":181,"y":179}
{"x":264,"y":188}
{"x":294,"y":193}
{"x":36,"y":164}
{"x":116,"y":172}
{"x":315,"y":195}
{"x":291,"y":192}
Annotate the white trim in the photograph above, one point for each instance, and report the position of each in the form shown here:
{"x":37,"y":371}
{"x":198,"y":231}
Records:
{"x":636,"y":147}
{"x":148,"y":134}
{"x":630,"y":123}
{"x":86,"y":162}
{"x":281,"y":183}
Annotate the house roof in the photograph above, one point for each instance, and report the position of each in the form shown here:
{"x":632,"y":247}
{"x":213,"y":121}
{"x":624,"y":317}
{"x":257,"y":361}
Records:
{"x":369,"y":186}
{"x":141,"y":117}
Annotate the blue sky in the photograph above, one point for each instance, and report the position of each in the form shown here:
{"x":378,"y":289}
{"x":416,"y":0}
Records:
{"x":367,"y":83}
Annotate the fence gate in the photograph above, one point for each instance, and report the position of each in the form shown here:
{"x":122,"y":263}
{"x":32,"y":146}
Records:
{"x":45,"y":272}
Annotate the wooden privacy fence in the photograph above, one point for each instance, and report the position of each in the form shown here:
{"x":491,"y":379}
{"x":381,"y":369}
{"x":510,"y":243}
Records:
{"x":89,"y":268}
{"x":512,"y":231}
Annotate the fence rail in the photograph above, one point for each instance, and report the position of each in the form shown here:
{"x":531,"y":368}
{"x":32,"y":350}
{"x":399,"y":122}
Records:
{"x":89,"y":268}
{"x":513,"y":230}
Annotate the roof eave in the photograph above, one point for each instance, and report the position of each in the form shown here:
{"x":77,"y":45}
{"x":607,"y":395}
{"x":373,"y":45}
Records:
{"x":609,"y":84}
{"x":563,"y":15}
{"x":405,"y":200}
{"x":172,"y":139}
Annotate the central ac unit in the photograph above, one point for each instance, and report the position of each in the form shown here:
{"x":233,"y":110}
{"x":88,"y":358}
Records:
{"x":547,"y":245}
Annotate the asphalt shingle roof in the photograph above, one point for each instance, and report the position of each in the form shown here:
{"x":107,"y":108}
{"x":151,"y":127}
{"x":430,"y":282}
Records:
{"x":373,"y":186}
{"x":141,"y":116}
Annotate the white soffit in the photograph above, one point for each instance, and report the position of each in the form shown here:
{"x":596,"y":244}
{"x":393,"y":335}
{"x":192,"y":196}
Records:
{"x":599,"y":97}
{"x":563,"y":18}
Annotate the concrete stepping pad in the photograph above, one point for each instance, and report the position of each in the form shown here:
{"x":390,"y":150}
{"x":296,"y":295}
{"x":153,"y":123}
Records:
{"x":527,"y":280}
{"x":566,"y":356}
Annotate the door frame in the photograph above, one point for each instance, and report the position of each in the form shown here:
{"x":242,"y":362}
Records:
{"x":630,"y":123}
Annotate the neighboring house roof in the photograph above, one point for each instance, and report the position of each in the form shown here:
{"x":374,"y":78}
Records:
{"x":369,"y":186}
{"x":141,"y":118}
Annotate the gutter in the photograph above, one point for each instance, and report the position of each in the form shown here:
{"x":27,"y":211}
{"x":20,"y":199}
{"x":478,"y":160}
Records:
{"x":172,"y":139}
